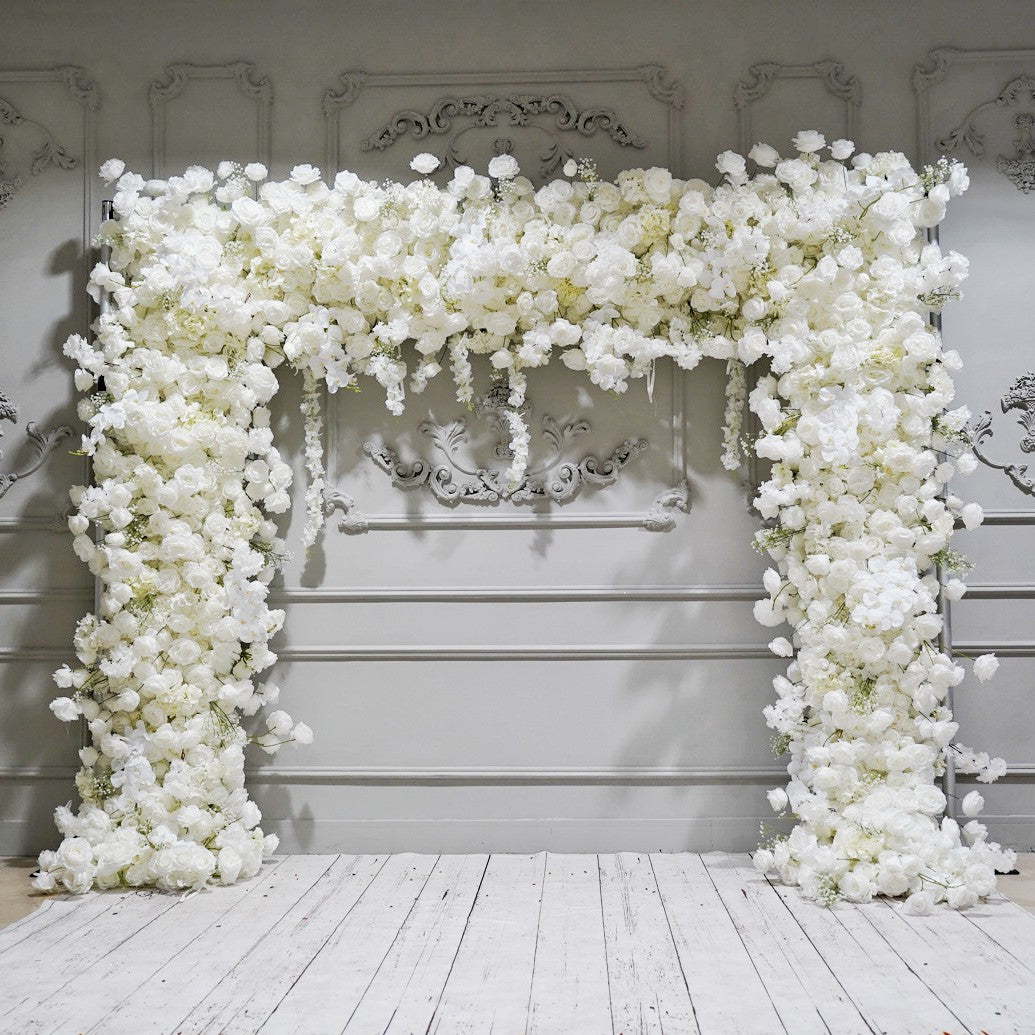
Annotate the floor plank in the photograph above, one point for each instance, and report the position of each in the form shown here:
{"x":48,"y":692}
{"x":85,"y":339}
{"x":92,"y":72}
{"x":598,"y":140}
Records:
{"x":194,"y":965}
{"x":249,"y":992}
{"x":47,"y":963}
{"x":711,"y":951}
{"x":569,"y":980}
{"x":887,"y":993}
{"x":332,"y":985}
{"x":1008,"y":925}
{"x":490,"y":982}
{"x":404,"y":993}
{"x":806,"y":994}
{"x":648,"y":992}
{"x":579,"y":944}
{"x":987,"y":988}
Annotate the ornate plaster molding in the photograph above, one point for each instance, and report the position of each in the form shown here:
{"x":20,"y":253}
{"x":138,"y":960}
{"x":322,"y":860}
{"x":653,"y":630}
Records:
{"x":935,"y":69}
{"x":558,"y":478}
{"x":838,"y":82}
{"x":662,"y":87}
{"x":654,"y":77}
{"x":1018,"y":168}
{"x":1020,"y":396}
{"x":662,"y":514}
{"x":352,"y":521}
{"x":83,"y":91}
{"x":174,"y":80}
{"x":484,"y":111}
{"x":42,"y":442}
{"x":48,"y":153}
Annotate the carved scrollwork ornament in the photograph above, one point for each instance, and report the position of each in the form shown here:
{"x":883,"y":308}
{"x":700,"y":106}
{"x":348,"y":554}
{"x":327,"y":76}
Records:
{"x":662,"y":515}
{"x":42,"y":442}
{"x":486,"y":111}
{"x":48,"y":152}
{"x":557,"y":478}
{"x":352,"y":521}
{"x":1021,"y":397}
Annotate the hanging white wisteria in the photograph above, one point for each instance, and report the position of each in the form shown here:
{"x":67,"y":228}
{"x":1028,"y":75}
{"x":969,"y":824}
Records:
{"x":814,"y":271}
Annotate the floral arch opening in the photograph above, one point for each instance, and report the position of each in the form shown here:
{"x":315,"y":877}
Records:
{"x":814,"y":268}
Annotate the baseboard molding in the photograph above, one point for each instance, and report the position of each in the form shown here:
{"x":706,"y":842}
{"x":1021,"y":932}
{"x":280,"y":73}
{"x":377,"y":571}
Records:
{"x":718,"y":833}
{"x":736,"y":834}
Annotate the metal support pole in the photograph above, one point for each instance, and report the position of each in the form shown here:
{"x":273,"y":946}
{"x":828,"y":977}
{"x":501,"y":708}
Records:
{"x":945,"y":610}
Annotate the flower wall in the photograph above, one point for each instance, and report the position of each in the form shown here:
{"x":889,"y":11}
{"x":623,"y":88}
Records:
{"x":813,"y":270}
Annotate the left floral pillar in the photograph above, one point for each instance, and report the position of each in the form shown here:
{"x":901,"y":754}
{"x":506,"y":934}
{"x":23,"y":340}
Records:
{"x":177,"y":382}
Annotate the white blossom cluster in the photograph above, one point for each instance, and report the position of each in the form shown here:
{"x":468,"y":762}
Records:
{"x":813,"y":269}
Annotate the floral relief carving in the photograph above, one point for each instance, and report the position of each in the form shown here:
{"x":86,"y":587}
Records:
{"x":661,"y":86}
{"x":662,"y":515}
{"x":502,"y":92}
{"x":557,"y":477}
{"x":48,"y":152}
{"x":1020,"y":397}
{"x":1020,"y":168}
{"x":517,"y":110}
{"x":43,"y":444}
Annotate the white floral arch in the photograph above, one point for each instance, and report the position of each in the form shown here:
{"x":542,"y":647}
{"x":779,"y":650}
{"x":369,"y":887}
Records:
{"x":815,"y":268}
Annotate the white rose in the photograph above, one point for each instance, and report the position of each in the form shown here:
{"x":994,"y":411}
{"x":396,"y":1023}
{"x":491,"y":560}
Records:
{"x":571,"y":167}
{"x":842,"y":149}
{"x":972,"y":515}
{"x":764,"y":155}
{"x":255,"y":171}
{"x":112,"y":169}
{"x":985,"y":667}
{"x":972,"y":804}
{"x":424,"y":163}
{"x":503,"y":167}
{"x":763,"y":860}
{"x":732,"y":165}
{"x":777,"y":799}
{"x":809,"y":140}
{"x":65,"y":709}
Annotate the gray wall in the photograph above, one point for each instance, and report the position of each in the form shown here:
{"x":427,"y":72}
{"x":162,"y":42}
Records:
{"x":505,"y":677}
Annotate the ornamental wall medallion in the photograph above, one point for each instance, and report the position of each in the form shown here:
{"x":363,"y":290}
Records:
{"x":1019,"y":397}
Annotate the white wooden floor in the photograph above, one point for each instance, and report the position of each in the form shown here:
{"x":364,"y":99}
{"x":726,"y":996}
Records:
{"x":555,"y":944}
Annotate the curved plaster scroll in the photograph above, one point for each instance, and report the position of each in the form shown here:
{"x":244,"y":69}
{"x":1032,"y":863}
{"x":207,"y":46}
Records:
{"x":173,"y":81}
{"x":48,"y":153}
{"x":661,"y":86}
{"x":43,"y":443}
{"x":662,"y":515}
{"x":352,"y":521}
{"x":832,"y":74}
{"x":455,"y":481}
{"x":1020,"y":396}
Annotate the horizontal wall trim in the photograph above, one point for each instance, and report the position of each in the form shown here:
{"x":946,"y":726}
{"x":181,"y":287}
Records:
{"x":1003,"y":649}
{"x":1009,"y":517}
{"x":514,"y":774}
{"x":47,"y":654}
{"x":535,"y":520}
{"x":516,"y":594}
{"x":331,"y":774}
{"x":1000,"y":591}
{"x":54,"y":523}
{"x":522,"y":652}
{"x":42,"y":596}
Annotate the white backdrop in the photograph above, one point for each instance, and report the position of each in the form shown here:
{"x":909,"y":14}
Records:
{"x":487,"y":676}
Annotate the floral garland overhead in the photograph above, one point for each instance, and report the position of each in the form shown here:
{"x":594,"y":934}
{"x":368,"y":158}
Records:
{"x":815,"y":269}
